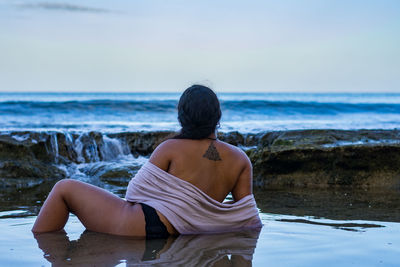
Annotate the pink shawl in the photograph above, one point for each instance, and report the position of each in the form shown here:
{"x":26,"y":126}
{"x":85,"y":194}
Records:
{"x":187,"y":208}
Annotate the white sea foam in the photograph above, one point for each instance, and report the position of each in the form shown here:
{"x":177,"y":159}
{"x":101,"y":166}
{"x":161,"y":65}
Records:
{"x":21,"y":138}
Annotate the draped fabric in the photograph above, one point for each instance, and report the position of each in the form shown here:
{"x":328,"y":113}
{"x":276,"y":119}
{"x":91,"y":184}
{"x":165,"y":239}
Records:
{"x":187,"y":208}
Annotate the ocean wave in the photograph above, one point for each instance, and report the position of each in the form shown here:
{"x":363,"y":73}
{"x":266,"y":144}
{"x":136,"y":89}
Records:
{"x":240,"y":112}
{"x":162,"y":106}
{"x":295,"y":107}
{"x":88,"y":106}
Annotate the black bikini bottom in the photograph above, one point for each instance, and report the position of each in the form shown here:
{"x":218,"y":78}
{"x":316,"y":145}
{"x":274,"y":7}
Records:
{"x":154,"y":226}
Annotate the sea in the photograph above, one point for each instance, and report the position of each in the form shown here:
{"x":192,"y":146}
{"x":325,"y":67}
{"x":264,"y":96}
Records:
{"x":242,"y":112}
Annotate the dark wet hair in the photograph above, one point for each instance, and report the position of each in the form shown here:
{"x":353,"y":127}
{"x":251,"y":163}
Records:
{"x":199,"y":112}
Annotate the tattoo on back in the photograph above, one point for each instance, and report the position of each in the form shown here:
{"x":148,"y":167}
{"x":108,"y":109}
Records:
{"x":212,"y":153}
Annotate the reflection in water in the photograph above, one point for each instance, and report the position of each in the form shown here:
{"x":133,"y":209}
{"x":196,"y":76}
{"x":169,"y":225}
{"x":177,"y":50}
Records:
{"x":96,"y":249}
{"x":335,"y":204}
{"x":343,"y":226}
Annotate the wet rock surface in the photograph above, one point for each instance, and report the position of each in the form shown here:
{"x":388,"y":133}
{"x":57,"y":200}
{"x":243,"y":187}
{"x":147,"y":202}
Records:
{"x":327,"y":158}
{"x":26,"y":161}
{"x":281,"y":159}
{"x":365,"y":167}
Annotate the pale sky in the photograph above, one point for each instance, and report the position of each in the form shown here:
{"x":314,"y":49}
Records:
{"x":232,"y":46}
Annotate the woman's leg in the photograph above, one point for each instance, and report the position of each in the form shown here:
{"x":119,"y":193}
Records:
{"x":97,"y":209}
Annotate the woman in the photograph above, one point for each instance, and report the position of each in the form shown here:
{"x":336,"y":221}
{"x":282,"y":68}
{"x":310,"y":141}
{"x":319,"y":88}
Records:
{"x":180,"y":189}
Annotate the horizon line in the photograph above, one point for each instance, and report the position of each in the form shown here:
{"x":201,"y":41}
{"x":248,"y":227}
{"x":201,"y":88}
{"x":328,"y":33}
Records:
{"x":218,"y":92}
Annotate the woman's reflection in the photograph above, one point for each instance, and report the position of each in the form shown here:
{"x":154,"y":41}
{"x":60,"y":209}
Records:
{"x":96,"y":249}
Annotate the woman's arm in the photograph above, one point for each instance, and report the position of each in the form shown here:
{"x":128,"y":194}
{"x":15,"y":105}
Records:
{"x":244,"y":184}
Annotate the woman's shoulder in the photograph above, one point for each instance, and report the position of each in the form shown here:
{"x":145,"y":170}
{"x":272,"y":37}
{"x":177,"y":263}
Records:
{"x":162,"y":154}
{"x":235,"y":151}
{"x":168,"y":149}
{"x":169,"y":144}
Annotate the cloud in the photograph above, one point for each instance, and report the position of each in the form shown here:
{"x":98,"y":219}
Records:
{"x":64,"y":7}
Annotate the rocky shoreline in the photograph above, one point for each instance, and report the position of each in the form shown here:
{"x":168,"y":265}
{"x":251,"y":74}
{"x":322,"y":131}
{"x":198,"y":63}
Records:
{"x":328,"y":158}
{"x":367,"y":159}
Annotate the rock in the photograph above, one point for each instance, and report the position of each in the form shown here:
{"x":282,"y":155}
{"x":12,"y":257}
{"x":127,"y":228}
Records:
{"x":233,"y":138}
{"x":15,"y":169}
{"x":26,"y":159}
{"x":12,"y":172}
{"x":142,"y":143}
{"x":319,"y":159}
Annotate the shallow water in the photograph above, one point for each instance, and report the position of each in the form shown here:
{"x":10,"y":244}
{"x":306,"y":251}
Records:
{"x":282,"y":242}
{"x":300,"y":235}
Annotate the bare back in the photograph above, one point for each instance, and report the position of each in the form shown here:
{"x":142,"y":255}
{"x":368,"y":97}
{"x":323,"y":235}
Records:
{"x":215,"y":167}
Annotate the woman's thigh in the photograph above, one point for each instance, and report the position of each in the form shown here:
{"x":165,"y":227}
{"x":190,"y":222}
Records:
{"x":102,"y":211}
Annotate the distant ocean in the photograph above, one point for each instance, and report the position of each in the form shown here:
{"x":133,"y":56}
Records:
{"x":243,"y":112}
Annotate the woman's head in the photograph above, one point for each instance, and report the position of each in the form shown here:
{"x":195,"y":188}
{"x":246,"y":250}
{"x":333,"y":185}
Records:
{"x":198,"y":112}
